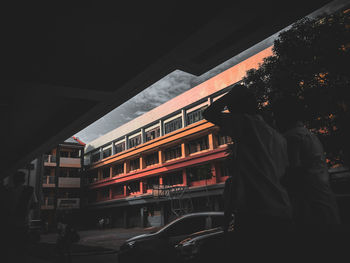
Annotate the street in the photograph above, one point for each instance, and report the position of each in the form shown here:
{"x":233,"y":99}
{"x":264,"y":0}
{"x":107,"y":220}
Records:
{"x":94,"y":245}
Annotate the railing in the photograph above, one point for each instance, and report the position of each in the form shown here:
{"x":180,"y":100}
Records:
{"x":48,"y":203}
{"x":68,"y":182}
{"x":49,"y":180}
{"x":68,"y":203}
{"x":49,"y":158}
{"x":70,"y":162}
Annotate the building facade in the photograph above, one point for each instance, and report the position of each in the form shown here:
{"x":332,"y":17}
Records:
{"x":170,"y":148}
{"x":61,"y":182}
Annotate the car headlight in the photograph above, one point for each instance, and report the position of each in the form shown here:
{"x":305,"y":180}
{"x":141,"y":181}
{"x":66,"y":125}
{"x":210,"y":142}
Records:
{"x":128,"y":245}
{"x":190,"y":247}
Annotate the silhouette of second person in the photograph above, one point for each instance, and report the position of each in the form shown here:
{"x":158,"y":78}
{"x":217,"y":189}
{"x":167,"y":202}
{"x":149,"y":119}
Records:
{"x":261,"y":204}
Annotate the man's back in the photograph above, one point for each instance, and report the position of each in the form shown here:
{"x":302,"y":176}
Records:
{"x":260,"y":163}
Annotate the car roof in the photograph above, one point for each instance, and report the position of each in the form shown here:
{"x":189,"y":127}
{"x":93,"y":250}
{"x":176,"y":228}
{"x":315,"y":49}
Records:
{"x":210,"y":213}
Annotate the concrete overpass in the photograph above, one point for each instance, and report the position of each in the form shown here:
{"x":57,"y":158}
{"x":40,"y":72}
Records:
{"x":67,"y":65}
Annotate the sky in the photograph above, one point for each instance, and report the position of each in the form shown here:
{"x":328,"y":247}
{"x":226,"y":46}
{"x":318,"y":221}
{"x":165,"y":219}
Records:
{"x":171,"y":86}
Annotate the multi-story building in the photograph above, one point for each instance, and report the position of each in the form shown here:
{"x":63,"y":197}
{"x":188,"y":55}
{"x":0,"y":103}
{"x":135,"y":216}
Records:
{"x":171,"y":145}
{"x":61,"y":182}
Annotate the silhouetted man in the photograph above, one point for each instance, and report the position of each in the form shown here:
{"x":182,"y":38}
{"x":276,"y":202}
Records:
{"x":261,"y":204}
{"x":307,"y":179}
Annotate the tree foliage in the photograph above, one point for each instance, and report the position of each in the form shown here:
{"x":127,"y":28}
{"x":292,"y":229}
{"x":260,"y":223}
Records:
{"x":311,"y":61}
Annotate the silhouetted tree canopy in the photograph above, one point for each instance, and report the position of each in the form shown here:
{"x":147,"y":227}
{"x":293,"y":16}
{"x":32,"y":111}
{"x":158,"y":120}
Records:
{"x":311,"y":61}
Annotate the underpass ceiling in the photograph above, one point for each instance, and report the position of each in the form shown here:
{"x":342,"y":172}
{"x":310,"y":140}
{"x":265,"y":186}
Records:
{"x":65,"y":66}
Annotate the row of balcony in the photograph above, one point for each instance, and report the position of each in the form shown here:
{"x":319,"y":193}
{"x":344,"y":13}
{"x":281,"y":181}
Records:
{"x":204,"y":143}
{"x":50,"y":160}
{"x":63,"y":182}
{"x":62,"y":203}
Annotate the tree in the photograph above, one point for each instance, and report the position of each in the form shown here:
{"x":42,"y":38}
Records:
{"x":311,"y":61}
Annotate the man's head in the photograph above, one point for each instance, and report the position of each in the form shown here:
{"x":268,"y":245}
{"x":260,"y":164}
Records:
{"x":19,"y":178}
{"x":241,"y":100}
{"x":287,"y":112}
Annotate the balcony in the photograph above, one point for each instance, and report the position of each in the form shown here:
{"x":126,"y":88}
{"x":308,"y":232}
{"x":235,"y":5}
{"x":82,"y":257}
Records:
{"x":49,"y":181}
{"x":70,"y":162}
{"x":49,"y":160}
{"x":68,"y":182}
{"x":68,"y":203}
{"x":48,"y":203}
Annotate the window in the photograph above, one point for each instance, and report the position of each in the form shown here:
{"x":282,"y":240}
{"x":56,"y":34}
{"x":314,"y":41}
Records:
{"x":152,"y":181}
{"x":172,"y":153}
{"x":186,"y":226}
{"x":152,"y":159}
{"x":173,"y":178}
{"x":198,"y":145}
{"x":75,"y":154}
{"x":173,"y":125}
{"x":195,"y":115}
{"x":64,"y":154}
{"x":64,"y":172}
{"x":119,"y":169}
{"x":134,"y":141}
{"x":107,"y":152}
{"x":222,"y":139}
{"x":106,"y":172}
{"x":217,"y":221}
{"x":134,"y":187}
{"x":118,"y":190}
{"x":135,"y":164}
{"x":95,"y":157}
{"x":199,"y":173}
{"x":104,"y":193}
{"x":120,"y":147}
{"x":152,"y":134}
{"x":73,"y":173}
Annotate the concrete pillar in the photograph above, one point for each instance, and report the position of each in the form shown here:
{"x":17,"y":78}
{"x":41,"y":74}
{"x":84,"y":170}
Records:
{"x":160,"y":157}
{"x":213,"y":172}
{"x":211,"y":141}
{"x":161,"y":127}
{"x":111,"y":171}
{"x":101,"y":153}
{"x":125,"y":191}
{"x":184,"y":177}
{"x":184,"y":119}
{"x":113,"y":149}
{"x":143,"y":136}
{"x":210,"y":101}
{"x":126,"y":142}
{"x":142,"y":162}
{"x":184,"y":150}
{"x":127,"y":166}
{"x":110,"y":193}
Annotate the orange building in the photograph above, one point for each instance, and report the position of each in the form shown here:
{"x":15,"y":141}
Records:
{"x":171,"y":145}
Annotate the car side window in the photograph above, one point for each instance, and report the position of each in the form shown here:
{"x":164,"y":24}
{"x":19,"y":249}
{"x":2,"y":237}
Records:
{"x":217,"y":221}
{"x":187,"y":226}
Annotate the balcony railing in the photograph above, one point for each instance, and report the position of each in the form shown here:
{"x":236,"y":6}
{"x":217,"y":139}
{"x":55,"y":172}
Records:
{"x":49,"y":159}
{"x":48,"y":203}
{"x":49,"y":181}
{"x":70,"y":162}
{"x":68,"y":182}
{"x":68,"y":203}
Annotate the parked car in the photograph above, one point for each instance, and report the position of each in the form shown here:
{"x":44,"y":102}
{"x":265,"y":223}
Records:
{"x":160,"y":245}
{"x":35,"y":230}
{"x":203,"y":246}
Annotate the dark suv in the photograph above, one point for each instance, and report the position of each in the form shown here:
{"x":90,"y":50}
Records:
{"x":160,"y":245}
